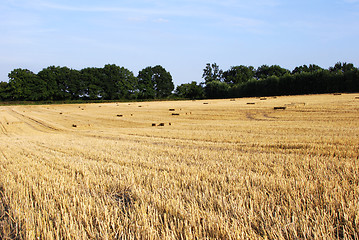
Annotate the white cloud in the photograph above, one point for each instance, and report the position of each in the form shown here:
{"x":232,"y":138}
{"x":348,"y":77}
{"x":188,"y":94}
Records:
{"x":114,"y":9}
{"x":161,"y":20}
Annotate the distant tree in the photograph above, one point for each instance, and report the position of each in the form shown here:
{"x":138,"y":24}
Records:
{"x":146,"y":83}
{"x":4,"y":91}
{"x":340,"y":67}
{"x":117,"y":82}
{"x":304,"y":68}
{"x":91,"y":78}
{"x":50,"y":76}
{"x":163,"y":82}
{"x":62,"y":82}
{"x":212,"y":73}
{"x":239,"y":74}
{"x":217,"y":89}
{"x":26,"y":85}
{"x":190,"y":90}
{"x":154,"y":82}
{"x":265,"y":71}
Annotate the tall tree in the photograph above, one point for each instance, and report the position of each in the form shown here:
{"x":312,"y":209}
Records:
{"x":304,"y":68}
{"x":265,"y":71}
{"x":190,"y":90}
{"x":118,"y":82}
{"x":239,"y":74}
{"x":26,"y":85}
{"x":155,"y":82}
{"x":62,"y":82}
{"x":340,"y":67}
{"x":91,"y":78}
{"x":217,"y":89}
{"x":212,"y":72}
{"x":51,"y":75}
{"x":4,"y":91}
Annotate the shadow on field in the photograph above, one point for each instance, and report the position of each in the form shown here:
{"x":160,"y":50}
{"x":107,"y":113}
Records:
{"x":9,"y":229}
{"x":124,"y":197}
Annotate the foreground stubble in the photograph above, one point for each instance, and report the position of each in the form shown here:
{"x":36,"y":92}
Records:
{"x":223,"y":170}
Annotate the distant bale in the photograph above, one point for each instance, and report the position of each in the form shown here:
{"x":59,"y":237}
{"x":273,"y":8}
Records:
{"x":172,"y":109}
{"x":250,"y":103}
{"x":175,"y":114}
{"x":119,"y":115}
{"x":170,"y":124}
{"x":60,"y":113}
{"x":263,"y":99}
{"x":153,"y":124}
{"x":161,"y":124}
{"x":337,"y":94}
{"x":233,"y":100}
{"x":205,"y":103}
{"x":74,"y":125}
{"x":280,"y":108}
{"x":140,"y":106}
{"x":356,"y":97}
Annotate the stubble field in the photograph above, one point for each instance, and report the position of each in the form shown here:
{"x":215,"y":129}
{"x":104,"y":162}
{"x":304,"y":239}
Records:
{"x":216,"y":169}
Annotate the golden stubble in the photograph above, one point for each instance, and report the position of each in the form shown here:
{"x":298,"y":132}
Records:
{"x":217,"y":169}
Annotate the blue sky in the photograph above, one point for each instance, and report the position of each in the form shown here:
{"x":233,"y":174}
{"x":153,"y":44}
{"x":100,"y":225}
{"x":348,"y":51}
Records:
{"x":182,"y":36}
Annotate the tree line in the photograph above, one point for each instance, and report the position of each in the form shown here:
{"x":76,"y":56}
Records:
{"x":118,"y":83}
{"x":108,"y":83}
{"x":246,"y":81}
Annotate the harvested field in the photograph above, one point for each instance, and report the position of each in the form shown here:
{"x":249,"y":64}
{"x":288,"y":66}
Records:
{"x":228,"y":170}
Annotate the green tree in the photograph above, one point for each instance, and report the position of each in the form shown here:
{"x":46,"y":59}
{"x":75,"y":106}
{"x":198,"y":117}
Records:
{"x":91,"y":78}
{"x":212,"y":73}
{"x":154,"y":82}
{"x":4,"y":91}
{"x":340,"y":67}
{"x":190,"y":90}
{"x":217,"y":89}
{"x":50,"y":75}
{"x":304,"y":68}
{"x":239,"y":74}
{"x":118,"y":82}
{"x":62,"y":82}
{"x":146,"y":84}
{"x":265,"y":71}
{"x":26,"y":85}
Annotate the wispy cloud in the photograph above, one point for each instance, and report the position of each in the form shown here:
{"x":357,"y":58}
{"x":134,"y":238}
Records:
{"x":161,"y":20}
{"x":184,"y":8}
{"x":112,"y":9}
{"x":212,"y":11}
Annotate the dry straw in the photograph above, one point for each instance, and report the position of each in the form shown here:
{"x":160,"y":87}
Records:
{"x":216,"y":174}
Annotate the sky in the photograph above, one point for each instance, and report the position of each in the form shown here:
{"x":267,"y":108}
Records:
{"x":181,"y":36}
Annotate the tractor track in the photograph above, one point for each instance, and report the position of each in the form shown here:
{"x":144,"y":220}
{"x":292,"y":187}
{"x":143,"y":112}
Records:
{"x":3,"y":129}
{"x":32,"y":122}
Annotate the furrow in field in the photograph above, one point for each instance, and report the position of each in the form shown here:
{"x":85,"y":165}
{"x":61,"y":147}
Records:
{"x":32,"y":122}
{"x":3,"y":129}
